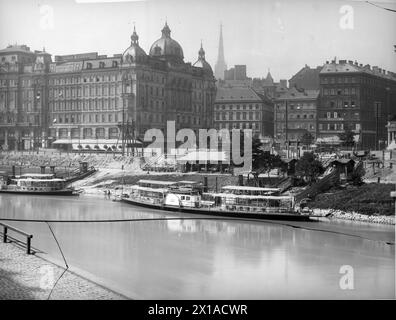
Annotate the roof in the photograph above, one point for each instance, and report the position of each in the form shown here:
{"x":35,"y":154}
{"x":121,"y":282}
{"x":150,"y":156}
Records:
{"x":344,"y":66}
{"x":165,"y":183}
{"x":233,"y":93}
{"x":17,"y":48}
{"x":248,"y":188}
{"x":36,"y":175}
{"x":294,"y":94}
{"x":245,"y":196}
{"x":159,"y":190}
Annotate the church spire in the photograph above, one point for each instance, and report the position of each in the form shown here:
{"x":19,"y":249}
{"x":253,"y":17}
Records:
{"x":220,"y":66}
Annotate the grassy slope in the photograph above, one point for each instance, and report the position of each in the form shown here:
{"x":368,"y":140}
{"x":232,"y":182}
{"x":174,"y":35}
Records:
{"x":368,"y":199}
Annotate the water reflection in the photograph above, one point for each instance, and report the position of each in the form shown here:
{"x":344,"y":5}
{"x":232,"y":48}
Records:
{"x":207,"y":258}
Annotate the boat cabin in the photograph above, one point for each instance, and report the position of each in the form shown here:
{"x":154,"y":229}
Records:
{"x":250,"y":191}
{"x":41,"y":184}
{"x":155,"y":184}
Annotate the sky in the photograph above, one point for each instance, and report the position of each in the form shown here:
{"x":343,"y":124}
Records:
{"x":280,"y":36}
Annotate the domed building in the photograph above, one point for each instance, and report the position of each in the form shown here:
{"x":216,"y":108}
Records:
{"x":134,"y":53}
{"x":85,"y":100}
{"x":167,"y":48}
{"x":201,"y":62}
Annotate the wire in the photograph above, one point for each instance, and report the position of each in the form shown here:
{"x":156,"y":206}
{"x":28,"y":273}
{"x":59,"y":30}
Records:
{"x":375,"y":5}
{"x":193,"y":218}
{"x":64,"y":259}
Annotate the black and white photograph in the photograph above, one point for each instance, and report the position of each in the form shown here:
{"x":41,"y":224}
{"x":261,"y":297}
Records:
{"x":217,"y":150}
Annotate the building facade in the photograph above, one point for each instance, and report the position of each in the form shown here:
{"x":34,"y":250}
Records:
{"x":243,"y":108}
{"x":357,"y":98}
{"x":296,"y":114}
{"x":306,"y":79}
{"x":87,"y":96}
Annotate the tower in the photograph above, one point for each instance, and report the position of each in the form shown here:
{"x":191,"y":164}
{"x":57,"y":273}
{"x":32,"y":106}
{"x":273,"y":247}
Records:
{"x":220,"y":65}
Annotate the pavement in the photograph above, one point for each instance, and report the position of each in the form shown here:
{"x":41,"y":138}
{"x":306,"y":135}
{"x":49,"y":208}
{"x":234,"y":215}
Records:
{"x":29,"y":277}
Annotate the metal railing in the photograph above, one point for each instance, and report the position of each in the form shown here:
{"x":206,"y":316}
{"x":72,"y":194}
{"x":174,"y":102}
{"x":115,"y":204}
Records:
{"x":28,"y":236}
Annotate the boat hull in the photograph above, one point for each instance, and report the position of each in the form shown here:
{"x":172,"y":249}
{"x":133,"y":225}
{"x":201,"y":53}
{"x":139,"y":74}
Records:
{"x":221,"y":213}
{"x":42,"y":193}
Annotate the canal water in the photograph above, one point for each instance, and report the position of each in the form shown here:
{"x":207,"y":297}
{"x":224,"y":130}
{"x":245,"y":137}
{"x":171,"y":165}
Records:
{"x":210,"y":259}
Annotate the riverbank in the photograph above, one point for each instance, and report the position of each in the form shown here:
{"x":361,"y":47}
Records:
{"x":29,"y":277}
{"x":353,"y":216}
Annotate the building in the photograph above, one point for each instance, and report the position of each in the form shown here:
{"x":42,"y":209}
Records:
{"x":220,"y":65}
{"x":356,"y":97}
{"x":238,"y":72}
{"x":88,"y":96}
{"x":296,"y":114}
{"x":243,"y":108}
{"x":268,"y":86}
{"x":306,"y":78}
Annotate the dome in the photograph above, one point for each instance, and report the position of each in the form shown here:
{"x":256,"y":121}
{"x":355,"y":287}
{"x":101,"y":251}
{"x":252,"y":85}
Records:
{"x":201,"y":62}
{"x":166,"y":47}
{"x":134,"y":52}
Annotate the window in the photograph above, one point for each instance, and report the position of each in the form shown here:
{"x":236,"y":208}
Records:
{"x":346,"y":104}
{"x":353,"y":104}
{"x":89,"y":66}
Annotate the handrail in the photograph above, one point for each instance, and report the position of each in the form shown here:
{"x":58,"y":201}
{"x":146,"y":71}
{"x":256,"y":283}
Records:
{"x":27,"y":235}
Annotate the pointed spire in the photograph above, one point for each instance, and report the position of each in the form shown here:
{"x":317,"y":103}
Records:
{"x":134,"y":36}
{"x":220,"y":66}
{"x":166,"y":30}
{"x":201,"y":53}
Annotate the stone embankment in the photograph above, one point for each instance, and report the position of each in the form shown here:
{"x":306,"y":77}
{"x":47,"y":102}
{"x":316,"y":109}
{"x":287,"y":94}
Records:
{"x":354,"y":216}
{"x":29,"y":277}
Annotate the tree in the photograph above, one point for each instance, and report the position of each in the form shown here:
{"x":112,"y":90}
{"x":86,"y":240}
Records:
{"x":307,"y":139}
{"x":347,"y":138}
{"x":257,"y":153}
{"x":309,"y":167}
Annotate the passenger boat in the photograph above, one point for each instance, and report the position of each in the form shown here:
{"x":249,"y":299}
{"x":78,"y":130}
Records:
{"x":232,"y":201}
{"x":37,"y":184}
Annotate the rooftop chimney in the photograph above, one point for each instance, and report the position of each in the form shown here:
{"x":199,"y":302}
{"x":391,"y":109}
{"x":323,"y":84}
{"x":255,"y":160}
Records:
{"x":350,"y":61}
{"x":356,"y":63}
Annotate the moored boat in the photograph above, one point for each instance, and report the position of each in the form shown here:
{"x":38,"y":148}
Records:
{"x":35,"y":184}
{"x":232,"y":201}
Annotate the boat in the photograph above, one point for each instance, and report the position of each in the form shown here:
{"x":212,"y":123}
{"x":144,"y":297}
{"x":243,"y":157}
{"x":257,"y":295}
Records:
{"x":232,"y":201}
{"x":35,"y":184}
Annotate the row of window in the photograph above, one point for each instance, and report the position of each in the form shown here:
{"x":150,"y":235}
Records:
{"x":86,"y":118}
{"x":240,"y":125}
{"x":340,"y":91}
{"x":341,"y":104}
{"x":336,"y":126}
{"x":105,"y":104}
{"x":238,"y":107}
{"x":238,"y":116}
{"x":336,"y":115}
{"x":339,"y":80}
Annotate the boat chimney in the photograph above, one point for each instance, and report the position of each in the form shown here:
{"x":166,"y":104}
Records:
{"x":240,"y":180}
{"x":52,"y":169}
{"x":13,"y":171}
{"x":42,"y":169}
{"x":205,"y":184}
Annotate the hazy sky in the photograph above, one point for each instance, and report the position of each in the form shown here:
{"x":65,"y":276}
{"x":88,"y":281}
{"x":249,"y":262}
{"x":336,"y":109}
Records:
{"x":280,"y":35}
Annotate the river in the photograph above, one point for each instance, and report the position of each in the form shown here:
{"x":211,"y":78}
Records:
{"x":209,"y":259}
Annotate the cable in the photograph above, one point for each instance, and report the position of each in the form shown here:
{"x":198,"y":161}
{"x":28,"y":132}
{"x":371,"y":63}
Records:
{"x":191,"y":218}
{"x":375,"y":5}
{"x":64,"y":259}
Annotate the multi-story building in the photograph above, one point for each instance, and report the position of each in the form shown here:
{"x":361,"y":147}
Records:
{"x":306,"y":79}
{"x":269,"y":87}
{"x":238,"y":72}
{"x":91,"y":96}
{"x":356,"y":97}
{"x":243,"y":108}
{"x":296,"y":114}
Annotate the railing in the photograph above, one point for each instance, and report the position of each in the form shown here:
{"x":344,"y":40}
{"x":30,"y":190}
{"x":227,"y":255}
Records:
{"x":28,"y":236}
